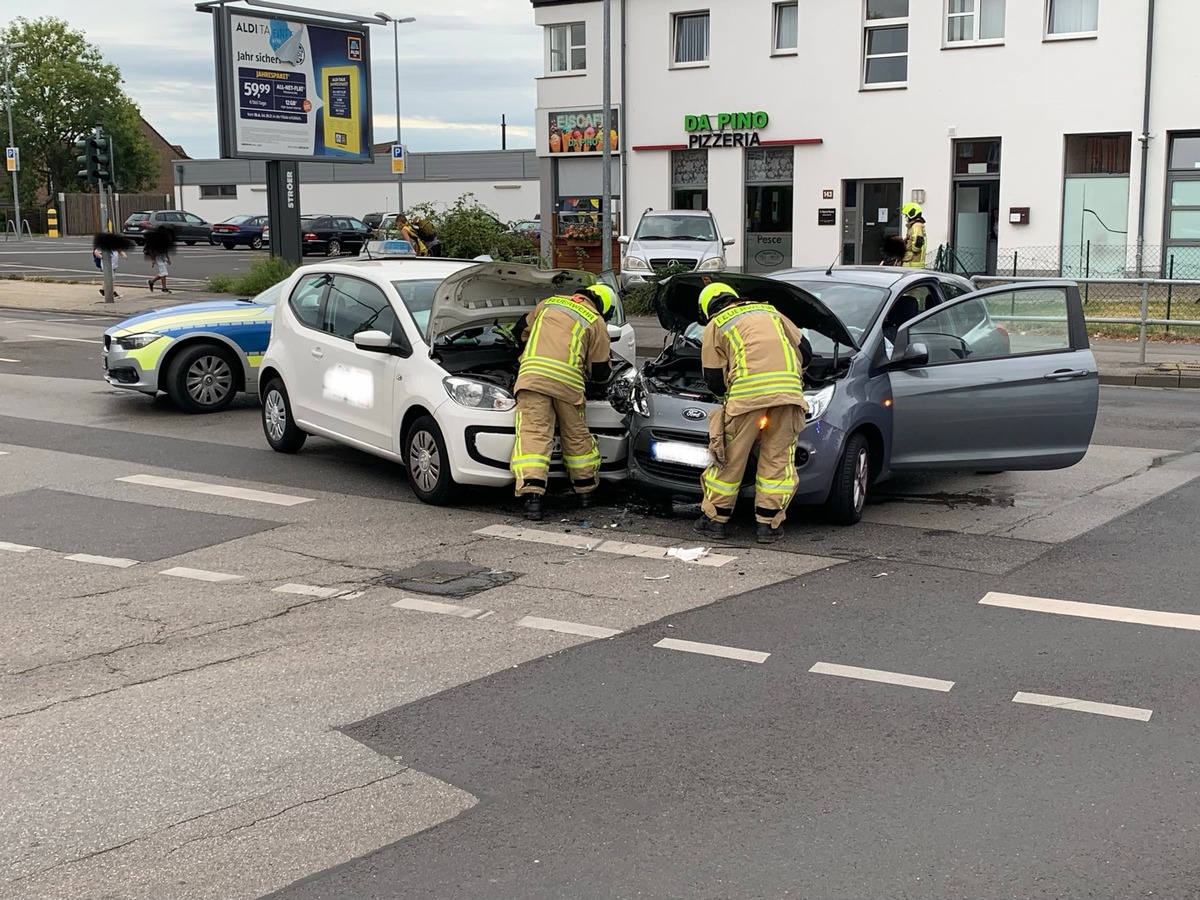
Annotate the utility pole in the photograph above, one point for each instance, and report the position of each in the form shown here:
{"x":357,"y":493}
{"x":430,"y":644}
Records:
{"x":503,"y":132}
{"x":606,"y":257}
{"x":396,"y":23}
{"x":8,"y":49}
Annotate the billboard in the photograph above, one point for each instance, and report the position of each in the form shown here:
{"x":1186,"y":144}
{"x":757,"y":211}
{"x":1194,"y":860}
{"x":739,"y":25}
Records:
{"x":291,"y":89}
{"x":582,"y":131}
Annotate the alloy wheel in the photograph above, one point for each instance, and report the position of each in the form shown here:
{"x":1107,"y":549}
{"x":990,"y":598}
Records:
{"x":275,"y":415}
{"x":209,"y":380}
{"x":861,"y":477}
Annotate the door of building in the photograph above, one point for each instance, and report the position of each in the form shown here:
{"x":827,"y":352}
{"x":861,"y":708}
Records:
{"x":976,"y":215}
{"x":872,"y":212}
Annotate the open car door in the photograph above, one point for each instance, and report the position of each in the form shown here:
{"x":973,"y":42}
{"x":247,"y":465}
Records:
{"x":1001,"y":378}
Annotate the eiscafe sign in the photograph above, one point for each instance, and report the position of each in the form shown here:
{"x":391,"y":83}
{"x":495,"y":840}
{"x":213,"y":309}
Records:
{"x":736,"y":129}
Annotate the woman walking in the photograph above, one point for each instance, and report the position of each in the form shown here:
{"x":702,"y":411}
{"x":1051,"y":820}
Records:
{"x":160,"y":242}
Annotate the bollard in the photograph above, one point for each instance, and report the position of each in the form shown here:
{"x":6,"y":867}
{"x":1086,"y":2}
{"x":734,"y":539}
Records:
{"x":52,"y":222}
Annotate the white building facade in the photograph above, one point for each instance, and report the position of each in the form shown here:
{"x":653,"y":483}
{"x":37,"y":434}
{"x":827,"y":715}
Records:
{"x":1020,"y":126}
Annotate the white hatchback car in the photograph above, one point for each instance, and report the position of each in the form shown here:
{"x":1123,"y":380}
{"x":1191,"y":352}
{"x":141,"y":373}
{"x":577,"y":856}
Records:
{"x":409,"y":359}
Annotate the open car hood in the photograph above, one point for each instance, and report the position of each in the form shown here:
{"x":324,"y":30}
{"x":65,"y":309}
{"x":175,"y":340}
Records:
{"x":677,"y":302}
{"x":496,"y":291}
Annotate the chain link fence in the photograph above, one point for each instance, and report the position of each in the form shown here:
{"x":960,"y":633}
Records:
{"x":1108,"y":282}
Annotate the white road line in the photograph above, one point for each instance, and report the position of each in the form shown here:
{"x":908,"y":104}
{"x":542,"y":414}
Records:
{"x":441,"y":609}
{"x":16,"y":548}
{"x":199,"y":574}
{"x":754,"y":656}
{"x":217,"y":490}
{"x":1087,"y":706}
{"x":5,"y":359}
{"x":597,"y":545}
{"x":116,"y":562}
{"x":899,"y":678}
{"x":1128,"y":614}
{"x":46,"y":337}
{"x":3,"y":453}
{"x":308,"y":590}
{"x":568,"y":627}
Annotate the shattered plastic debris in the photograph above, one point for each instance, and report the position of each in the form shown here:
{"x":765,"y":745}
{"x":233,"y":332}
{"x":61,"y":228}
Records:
{"x":688,"y":555}
{"x":880,"y":575}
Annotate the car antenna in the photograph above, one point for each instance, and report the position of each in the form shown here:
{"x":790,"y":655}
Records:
{"x":829,"y":271}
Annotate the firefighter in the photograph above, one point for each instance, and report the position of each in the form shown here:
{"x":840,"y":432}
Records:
{"x":751,"y":357}
{"x":566,"y":344}
{"x":914,"y":237}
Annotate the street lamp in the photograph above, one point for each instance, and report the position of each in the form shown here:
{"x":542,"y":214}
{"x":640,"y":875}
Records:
{"x":7,"y":50}
{"x":396,"y":23}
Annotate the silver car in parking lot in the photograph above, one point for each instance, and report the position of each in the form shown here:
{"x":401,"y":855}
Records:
{"x":911,"y":370}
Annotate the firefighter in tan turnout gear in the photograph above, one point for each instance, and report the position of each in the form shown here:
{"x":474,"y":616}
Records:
{"x":566,"y":344}
{"x":751,"y":357}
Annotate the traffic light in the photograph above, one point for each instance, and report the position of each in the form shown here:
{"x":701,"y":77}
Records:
{"x":95,"y":158}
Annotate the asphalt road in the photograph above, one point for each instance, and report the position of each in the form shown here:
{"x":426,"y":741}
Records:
{"x":221,"y":678}
{"x":70,"y":259}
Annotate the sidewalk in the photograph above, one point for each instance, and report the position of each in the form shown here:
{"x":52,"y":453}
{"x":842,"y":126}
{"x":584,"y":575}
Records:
{"x":1167,"y":364}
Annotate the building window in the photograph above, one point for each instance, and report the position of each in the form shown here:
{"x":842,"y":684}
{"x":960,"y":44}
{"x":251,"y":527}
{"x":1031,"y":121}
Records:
{"x":1183,"y":199}
{"x":215,"y":191}
{"x":787,"y":38}
{"x":689,"y":179}
{"x":971,"y":21}
{"x":1096,"y":205}
{"x":691,"y":38}
{"x":885,"y":43}
{"x":568,"y":47}
{"x":1072,"y":16}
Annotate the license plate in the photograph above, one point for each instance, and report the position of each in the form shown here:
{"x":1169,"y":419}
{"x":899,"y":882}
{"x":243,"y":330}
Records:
{"x":693,"y":455}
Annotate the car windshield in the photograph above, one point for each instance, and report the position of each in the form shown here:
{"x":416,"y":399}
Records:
{"x":856,"y":305}
{"x":270,"y":296}
{"x":237,"y":220}
{"x":675,"y":228}
{"x":417,"y":295}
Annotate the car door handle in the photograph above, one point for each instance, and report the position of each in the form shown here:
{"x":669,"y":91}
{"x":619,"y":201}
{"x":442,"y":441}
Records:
{"x":1063,"y":374}
{"x":318,"y":353}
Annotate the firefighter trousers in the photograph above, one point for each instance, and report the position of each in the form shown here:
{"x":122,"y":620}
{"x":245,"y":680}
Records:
{"x":776,"y":480}
{"x":536,"y":417}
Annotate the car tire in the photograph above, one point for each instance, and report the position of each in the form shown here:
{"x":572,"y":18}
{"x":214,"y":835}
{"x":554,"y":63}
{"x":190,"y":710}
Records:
{"x":229,"y":245}
{"x":851,"y":480}
{"x":279,"y":426}
{"x":203,"y":378}
{"x":427,"y":463}
{"x":335,"y":248}
{"x":256,"y":243}
{"x":190,"y":243}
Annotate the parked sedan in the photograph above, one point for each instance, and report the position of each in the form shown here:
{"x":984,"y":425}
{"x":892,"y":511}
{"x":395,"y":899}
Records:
{"x":911,"y":370}
{"x":333,"y":235}
{"x":240,"y":231}
{"x":410,"y":359}
{"x":189,"y":228}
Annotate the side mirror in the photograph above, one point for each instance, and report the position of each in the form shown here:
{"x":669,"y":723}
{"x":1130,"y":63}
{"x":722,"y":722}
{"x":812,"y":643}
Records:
{"x":614,"y":333}
{"x":729,"y":242}
{"x":914,"y":355}
{"x":376,"y":341}
{"x":623,"y":239}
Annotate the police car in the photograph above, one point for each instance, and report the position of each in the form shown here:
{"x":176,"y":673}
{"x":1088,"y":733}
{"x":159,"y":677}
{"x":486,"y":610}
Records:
{"x":413,"y":360}
{"x":201,"y":354}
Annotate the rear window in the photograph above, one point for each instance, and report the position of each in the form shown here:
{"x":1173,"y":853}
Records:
{"x":138,"y":217}
{"x":238,"y":220}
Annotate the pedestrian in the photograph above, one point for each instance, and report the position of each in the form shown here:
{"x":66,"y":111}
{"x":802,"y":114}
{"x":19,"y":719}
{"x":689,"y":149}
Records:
{"x":565,"y":344}
{"x":113,"y":244}
{"x":914,"y":236}
{"x":409,"y":233}
{"x":160,"y":242}
{"x":761,"y":379}
{"x":894,"y":250}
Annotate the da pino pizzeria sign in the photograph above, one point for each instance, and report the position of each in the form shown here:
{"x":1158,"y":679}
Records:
{"x":733,"y":129}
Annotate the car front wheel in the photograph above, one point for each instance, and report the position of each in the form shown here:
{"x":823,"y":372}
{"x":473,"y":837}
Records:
{"x":201,"y":379}
{"x":851,"y":479}
{"x":281,"y":430}
{"x":427,"y":463}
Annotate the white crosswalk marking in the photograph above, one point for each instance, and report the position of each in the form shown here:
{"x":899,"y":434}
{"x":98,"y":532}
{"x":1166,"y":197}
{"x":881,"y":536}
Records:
{"x":754,"y":656}
{"x":595,"y":631}
{"x":308,"y":590}
{"x":216,"y":490}
{"x":16,"y":548}
{"x":898,"y":678}
{"x":1128,"y":614}
{"x":115,"y":562}
{"x":199,"y":574}
{"x":441,"y":609}
{"x":1087,"y":706}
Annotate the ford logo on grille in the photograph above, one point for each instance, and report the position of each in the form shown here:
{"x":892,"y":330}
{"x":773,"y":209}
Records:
{"x":694,"y":413}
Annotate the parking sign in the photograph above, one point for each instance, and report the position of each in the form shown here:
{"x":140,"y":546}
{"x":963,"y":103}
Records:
{"x":12,"y":159}
{"x":397,"y":159}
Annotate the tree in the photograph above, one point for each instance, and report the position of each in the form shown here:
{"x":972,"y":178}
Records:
{"x":468,"y":229}
{"x":61,"y":88}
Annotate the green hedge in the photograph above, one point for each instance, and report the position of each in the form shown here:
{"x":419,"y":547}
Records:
{"x":262,"y":275}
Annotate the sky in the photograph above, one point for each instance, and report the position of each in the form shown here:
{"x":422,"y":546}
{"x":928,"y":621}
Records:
{"x":462,"y":64}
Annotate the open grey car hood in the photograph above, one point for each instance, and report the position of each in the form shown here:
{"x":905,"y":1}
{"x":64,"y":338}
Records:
{"x":496,"y":291}
{"x":677,"y":302}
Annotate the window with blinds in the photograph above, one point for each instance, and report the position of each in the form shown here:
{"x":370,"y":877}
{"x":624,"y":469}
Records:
{"x":691,"y":37}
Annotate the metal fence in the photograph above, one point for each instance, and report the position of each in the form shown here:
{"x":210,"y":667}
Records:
{"x":1163,"y":304}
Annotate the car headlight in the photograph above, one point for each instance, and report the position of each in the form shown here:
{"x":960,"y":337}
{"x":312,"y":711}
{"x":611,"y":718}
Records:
{"x":136,"y":341}
{"x":712,"y":264}
{"x":478,"y":394}
{"x":819,"y":402}
{"x":632,"y":262}
{"x":639,"y":399}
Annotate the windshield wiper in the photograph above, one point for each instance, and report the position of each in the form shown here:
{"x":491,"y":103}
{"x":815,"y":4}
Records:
{"x":651,"y":237}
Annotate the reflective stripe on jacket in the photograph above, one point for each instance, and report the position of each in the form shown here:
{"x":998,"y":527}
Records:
{"x":758,"y":350}
{"x":563,"y":339}
{"x":914,"y":256}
